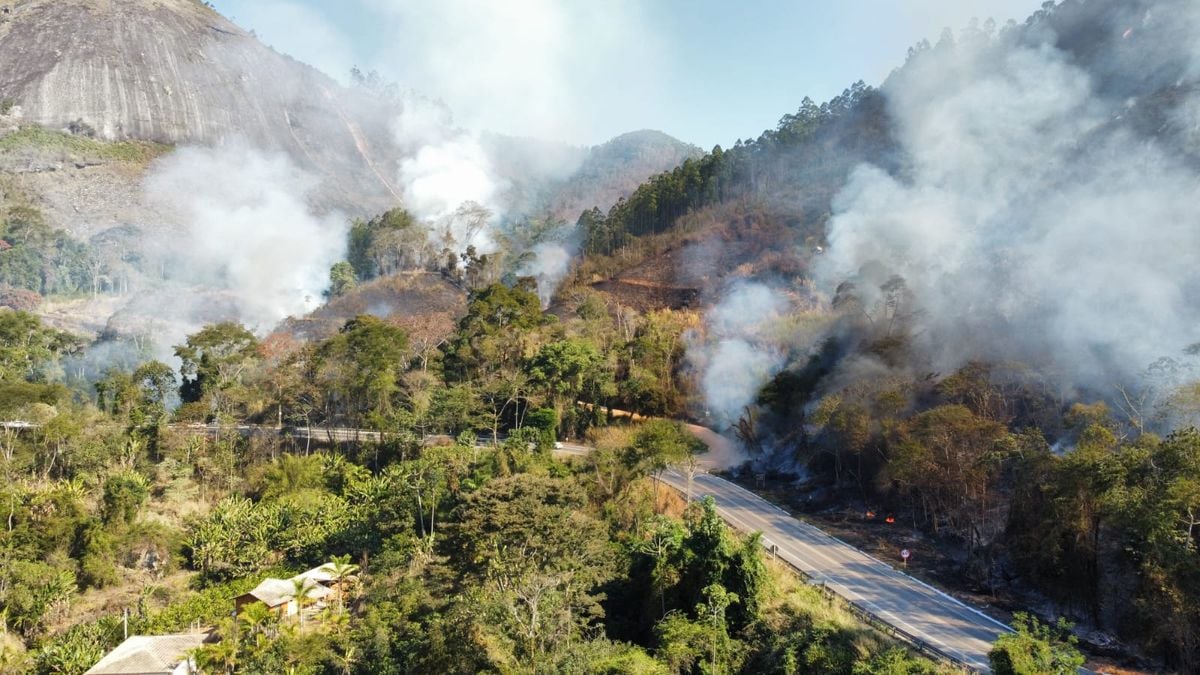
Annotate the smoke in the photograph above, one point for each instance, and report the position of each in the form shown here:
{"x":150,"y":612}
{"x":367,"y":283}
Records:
{"x":1032,"y":223}
{"x":549,"y":265}
{"x":247,"y":229}
{"x":546,"y":69}
{"x":538,"y":68}
{"x":737,"y":355}
{"x":447,"y":177}
{"x":451,"y":185}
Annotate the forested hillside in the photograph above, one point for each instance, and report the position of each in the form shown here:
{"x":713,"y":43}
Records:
{"x":952,"y":314}
{"x":460,"y":544}
{"x":934,"y":341}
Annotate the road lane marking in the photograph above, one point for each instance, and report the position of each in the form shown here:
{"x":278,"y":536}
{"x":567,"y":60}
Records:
{"x":832,"y":556}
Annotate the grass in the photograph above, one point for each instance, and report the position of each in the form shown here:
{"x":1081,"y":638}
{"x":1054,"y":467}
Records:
{"x":82,"y":147}
{"x":791,"y":602}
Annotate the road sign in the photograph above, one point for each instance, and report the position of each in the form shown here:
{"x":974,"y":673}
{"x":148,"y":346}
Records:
{"x":904,"y":554}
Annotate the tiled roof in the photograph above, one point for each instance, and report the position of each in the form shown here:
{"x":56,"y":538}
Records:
{"x":147,"y":655}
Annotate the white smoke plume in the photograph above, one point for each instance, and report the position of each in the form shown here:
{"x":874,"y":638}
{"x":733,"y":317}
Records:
{"x":536,"y":68}
{"x":548,"y":69}
{"x":549,"y":266}
{"x":737,"y":355}
{"x":446,"y":177}
{"x":1031,"y":223}
{"x":247,"y":229}
{"x":451,"y":185}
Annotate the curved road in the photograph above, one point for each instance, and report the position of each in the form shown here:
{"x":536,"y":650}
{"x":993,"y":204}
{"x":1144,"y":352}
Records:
{"x":920,"y":613}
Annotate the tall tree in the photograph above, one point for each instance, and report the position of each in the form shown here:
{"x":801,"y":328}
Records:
{"x":213,"y":363}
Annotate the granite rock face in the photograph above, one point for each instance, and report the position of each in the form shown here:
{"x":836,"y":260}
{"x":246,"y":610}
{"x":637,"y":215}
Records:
{"x":176,"y":71}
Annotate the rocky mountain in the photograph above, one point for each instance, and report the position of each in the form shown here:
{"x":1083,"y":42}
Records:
{"x":102,"y":103}
{"x":177,"y":72}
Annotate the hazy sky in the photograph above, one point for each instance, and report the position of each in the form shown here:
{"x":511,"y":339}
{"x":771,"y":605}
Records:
{"x":705,"y":71}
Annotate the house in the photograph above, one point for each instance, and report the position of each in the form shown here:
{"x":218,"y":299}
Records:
{"x":279,"y":595}
{"x":151,"y":655}
{"x":322,"y":575}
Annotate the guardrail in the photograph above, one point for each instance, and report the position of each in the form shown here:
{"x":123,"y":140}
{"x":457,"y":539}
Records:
{"x":879,"y":623}
{"x":859,"y":609}
{"x":321,"y":434}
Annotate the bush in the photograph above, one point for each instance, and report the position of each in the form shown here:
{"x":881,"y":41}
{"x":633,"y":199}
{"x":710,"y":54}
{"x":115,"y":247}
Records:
{"x":124,"y":494}
{"x":81,"y":128}
{"x":1036,"y":649}
{"x":97,"y":557}
{"x":20,"y":299}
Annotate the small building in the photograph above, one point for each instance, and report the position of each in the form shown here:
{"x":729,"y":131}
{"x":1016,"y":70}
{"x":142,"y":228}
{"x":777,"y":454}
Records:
{"x":151,"y":655}
{"x":279,"y":595}
{"x":322,"y":575}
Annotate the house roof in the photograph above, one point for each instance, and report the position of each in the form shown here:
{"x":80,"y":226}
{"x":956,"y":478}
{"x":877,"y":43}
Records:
{"x":275,"y":592}
{"x":321,"y":574}
{"x":147,"y":655}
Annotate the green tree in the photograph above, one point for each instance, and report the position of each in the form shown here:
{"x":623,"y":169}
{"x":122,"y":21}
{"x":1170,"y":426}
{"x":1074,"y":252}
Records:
{"x":490,"y":337}
{"x":568,"y":369}
{"x":342,"y":571}
{"x":712,"y":556}
{"x":362,"y":366}
{"x":124,"y":493}
{"x":542,"y":559}
{"x":948,"y":457}
{"x":1036,"y":649}
{"x":1156,"y":506}
{"x":214,"y":361}
{"x":704,"y":641}
{"x":387,"y":243}
{"x":27,"y":348}
{"x":342,"y":279}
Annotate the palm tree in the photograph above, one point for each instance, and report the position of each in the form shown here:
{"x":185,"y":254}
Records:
{"x":341,"y":568}
{"x":218,"y":657}
{"x":300,"y":588}
{"x":348,"y":658}
{"x":256,"y":617}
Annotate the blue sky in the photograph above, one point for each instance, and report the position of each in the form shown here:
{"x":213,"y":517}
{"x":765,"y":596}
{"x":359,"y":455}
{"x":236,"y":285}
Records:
{"x":705,"y":71}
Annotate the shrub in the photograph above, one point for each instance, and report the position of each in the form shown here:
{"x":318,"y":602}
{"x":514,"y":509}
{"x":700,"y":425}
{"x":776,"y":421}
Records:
{"x":124,"y":494}
{"x":20,"y":299}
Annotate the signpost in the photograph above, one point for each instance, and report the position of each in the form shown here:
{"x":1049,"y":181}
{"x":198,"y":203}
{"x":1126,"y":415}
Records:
{"x":904,"y":554}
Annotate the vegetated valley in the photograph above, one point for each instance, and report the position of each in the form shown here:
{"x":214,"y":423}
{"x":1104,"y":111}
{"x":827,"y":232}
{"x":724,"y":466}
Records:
{"x":287,"y":392}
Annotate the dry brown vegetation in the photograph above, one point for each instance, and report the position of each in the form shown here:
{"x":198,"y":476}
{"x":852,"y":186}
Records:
{"x":691,"y":264}
{"x":424,"y":304}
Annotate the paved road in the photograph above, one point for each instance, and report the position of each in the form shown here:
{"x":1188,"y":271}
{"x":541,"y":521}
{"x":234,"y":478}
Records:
{"x":921,"y":613}
{"x":912,"y":607}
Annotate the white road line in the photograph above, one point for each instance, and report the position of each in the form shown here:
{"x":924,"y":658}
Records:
{"x":825,"y":557}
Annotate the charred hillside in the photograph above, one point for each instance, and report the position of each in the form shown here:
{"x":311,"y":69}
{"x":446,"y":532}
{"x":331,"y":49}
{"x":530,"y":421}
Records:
{"x":1139,"y":61}
{"x":965,"y":297}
